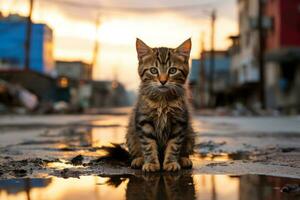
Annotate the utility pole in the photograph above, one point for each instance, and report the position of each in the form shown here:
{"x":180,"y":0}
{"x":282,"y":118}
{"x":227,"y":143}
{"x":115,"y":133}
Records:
{"x":96,"y":44}
{"x":261,"y":55}
{"x":202,"y":77}
{"x":212,"y":59}
{"x":28,"y":37}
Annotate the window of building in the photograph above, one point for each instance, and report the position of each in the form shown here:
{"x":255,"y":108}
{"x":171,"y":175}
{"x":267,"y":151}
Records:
{"x":12,"y":62}
{"x":247,"y":38}
{"x":287,"y":78}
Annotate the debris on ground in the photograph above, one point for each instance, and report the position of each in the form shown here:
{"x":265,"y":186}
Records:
{"x":67,"y":173}
{"x":20,"y":172}
{"x":209,"y":145}
{"x":77,"y":160}
{"x":15,"y":96}
{"x":291,"y":188}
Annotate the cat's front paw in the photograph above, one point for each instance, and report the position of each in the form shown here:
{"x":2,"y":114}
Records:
{"x":185,"y":162}
{"x":151,"y":167}
{"x":137,"y":163}
{"x":171,"y":166}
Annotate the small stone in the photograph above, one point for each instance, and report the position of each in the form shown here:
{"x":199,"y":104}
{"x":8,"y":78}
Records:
{"x":291,"y":188}
{"x":77,"y":160}
{"x":20,"y":172}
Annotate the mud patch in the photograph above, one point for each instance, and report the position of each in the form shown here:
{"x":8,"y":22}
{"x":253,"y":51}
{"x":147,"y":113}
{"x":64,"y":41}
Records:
{"x":22,"y":168}
{"x":39,"y":142}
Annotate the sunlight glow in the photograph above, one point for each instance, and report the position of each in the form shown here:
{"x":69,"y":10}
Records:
{"x":74,"y":37}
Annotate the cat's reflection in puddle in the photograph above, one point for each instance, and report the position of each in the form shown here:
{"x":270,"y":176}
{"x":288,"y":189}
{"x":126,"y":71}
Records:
{"x":156,"y":186}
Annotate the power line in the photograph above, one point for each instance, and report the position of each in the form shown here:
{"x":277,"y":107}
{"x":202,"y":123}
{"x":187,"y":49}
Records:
{"x":96,"y":45}
{"x":261,"y":55}
{"x":212,"y":59}
{"x":131,"y":9}
{"x":202,"y":75}
{"x":28,"y":37}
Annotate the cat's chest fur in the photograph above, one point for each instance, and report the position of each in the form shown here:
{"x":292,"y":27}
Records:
{"x":164,"y":116}
{"x":164,"y":111}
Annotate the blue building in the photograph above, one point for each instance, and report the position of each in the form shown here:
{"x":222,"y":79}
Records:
{"x":222,"y":65}
{"x":199,"y":78}
{"x":12,"y":45}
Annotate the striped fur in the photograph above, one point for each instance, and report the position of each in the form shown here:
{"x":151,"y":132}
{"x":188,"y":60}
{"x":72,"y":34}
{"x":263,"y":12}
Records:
{"x":159,"y":133}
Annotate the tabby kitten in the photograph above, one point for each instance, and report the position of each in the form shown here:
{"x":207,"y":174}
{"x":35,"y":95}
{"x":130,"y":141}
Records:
{"x":159,"y":132}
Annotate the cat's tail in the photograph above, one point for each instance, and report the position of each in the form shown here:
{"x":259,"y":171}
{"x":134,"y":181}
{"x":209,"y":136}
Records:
{"x":115,"y":154}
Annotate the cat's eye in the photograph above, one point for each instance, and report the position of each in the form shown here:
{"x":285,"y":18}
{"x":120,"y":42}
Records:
{"x":172,"y":70}
{"x":153,"y":70}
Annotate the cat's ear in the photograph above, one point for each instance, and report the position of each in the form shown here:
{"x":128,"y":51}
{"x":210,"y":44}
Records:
{"x":142,"y":49}
{"x":185,"y":48}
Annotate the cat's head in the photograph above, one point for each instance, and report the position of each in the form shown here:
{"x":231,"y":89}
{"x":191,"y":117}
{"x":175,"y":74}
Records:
{"x":163,"y":71}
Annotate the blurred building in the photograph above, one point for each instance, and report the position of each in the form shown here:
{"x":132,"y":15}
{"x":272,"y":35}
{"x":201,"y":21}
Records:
{"x":280,"y":26}
{"x":199,"y":78}
{"x":74,"y":69}
{"x":235,"y":60}
{"x":282,"y":54}
{"x":37,"y":79}
{"x":12,"y":48}
{"x":244,"y":78}
{"x":244,"y":53}
{"x":108,"y":94}
{"x":77,"y":87}
{"x":44,"y":87}
{"x":64,"y":84}
{"x":71,"y":81}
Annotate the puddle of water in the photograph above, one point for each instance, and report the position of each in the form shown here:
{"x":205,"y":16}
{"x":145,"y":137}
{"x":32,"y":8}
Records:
{"x":211,"y":157}
{"x":85,"y":140}
{"x":111,"y":121}
{"x":61,"y":165}
{"x":155,"y":186}
{"x":221,"y":156}
{"x":93,"y":137}
{"x":104,"y":137}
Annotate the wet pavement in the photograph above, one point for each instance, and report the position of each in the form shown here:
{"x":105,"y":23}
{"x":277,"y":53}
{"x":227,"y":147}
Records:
{"x":56,"y":157}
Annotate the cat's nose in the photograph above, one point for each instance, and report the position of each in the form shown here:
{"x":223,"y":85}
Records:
{"x":163,"y":78}
{"x":163,"y":82}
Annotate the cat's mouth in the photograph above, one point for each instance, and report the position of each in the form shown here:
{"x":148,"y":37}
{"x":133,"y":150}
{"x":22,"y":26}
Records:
{"x":163,"y":88}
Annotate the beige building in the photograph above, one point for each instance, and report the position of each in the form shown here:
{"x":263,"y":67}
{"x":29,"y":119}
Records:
{"x":244,"y":68}
{"x":282,"y":55}
{"x":76,"y":70}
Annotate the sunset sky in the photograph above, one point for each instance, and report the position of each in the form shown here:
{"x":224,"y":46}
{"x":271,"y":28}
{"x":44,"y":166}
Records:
{"x":156,"y":22}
